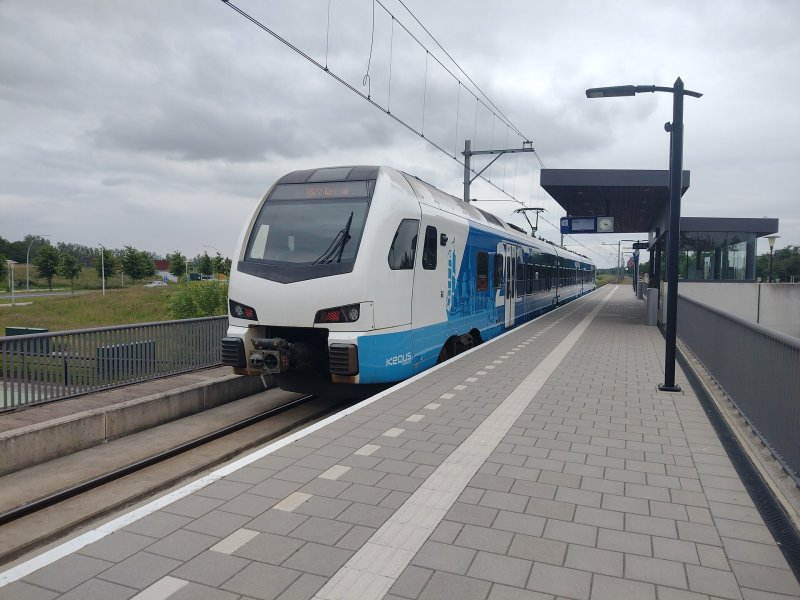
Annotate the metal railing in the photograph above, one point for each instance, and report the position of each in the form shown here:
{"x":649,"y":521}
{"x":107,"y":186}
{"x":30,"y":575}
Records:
{"x":51,"y":366}
{"x":757,"y":367}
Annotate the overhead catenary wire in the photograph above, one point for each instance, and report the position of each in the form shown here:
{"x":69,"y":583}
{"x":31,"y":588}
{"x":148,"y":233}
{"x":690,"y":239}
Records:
{"x":490,"y":107}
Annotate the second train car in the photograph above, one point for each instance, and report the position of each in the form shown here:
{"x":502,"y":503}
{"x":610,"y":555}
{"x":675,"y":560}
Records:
{"x":350,"y":277}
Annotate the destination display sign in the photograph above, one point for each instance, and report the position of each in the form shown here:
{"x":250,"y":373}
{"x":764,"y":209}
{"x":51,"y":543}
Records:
{"x":578,"y":225}
{"x":330,"y":190}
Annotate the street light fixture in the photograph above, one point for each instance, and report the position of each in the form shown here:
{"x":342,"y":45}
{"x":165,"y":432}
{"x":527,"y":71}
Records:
{"x":103,"y":266}
{"x":771,"y":239}
{"x":28,"y":261}
{"x":11,"y":264}
{"x":675,"y":130}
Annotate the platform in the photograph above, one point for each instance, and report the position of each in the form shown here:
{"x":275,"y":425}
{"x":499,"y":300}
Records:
{"x":542,"y":465}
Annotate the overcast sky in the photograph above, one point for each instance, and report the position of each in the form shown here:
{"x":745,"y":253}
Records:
{"x":161,"y":124}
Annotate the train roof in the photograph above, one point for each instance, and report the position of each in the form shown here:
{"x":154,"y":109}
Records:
{"x":427,"y":194}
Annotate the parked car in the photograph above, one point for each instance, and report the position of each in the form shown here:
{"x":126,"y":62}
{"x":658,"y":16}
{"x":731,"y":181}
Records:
{"x":156,"y":283}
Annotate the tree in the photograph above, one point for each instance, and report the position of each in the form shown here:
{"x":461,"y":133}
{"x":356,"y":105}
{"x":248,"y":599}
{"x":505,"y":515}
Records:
{"x":204,"y":264}
{"x":70,"y":268}
{"x":47,"y":263}
{"x":177,"y":264}
{"x":785,"y":264}
{"x":105,"y":261}
{"x":135,"y":264}
{"x":221,"y":265}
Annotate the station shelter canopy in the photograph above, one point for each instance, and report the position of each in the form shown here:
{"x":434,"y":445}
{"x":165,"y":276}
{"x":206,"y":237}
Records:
{"x":638,"y":200}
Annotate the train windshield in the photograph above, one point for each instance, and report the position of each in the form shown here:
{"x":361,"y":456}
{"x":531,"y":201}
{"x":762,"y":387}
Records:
{"x":310,"y":224}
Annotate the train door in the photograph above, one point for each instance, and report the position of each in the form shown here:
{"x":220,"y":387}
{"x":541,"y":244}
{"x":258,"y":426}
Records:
{"x":434,"y":287}
{"x":511,"y":252}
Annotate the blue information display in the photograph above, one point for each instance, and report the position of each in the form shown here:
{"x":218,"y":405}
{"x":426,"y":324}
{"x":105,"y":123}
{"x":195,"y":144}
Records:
{"x":578,"y":225}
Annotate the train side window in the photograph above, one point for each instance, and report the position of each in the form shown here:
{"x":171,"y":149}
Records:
{"x":429,"y":249}
{"x":404,"y":245}
{"x":498,"y":271}
{"x":482,"y":282}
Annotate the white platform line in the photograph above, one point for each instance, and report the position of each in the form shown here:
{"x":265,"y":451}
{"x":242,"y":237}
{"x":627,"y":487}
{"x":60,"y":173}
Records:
{"x":234,"y":541}
{"x":334,"y":472}
{"x":161,"y":589}
{"x":377,"y":565}
{"x":292,"y":501}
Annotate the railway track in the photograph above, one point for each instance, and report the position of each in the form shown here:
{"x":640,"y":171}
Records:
{"x":36,"y":519}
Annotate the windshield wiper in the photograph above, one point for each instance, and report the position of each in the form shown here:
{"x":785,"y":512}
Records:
{"x":336,"y":248}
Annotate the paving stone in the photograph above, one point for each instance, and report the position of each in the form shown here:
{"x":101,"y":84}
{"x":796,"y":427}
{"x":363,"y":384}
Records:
{"x":655,"y":570}
{"x":318,"y":559}
{"x":276,"y":521}
{"x":444,"y":557}
{"x":272,"y":488}
{"x":677,"y":550}
{"x":623,"y":541}
{"x":504,"y":592}
{"x":613,"y":588}
{"x":365,"y":514}
{"x":551,"y":509}
{"x":519,"y":523}
{"x":118,"y":546}
{"x":268,"y":548}
{"x":650,"y":525}
{"x":19,"y":590}
{"x":713,"y":557}
{"x":594,"y":560}
{"x":304,"y":588}
{"x":193,"y":591}
{"x":667,"y":593}
{"x":484,"y":538}
{"x":158,"y":525}
{"x":68,"y":572}
{"x":217,"y":523}
{"x":324,"y":531}
{"x":538,"y":549}
{"x":356,"y":537}
{"x":599,"y":517}
{"x":534,"y":489}
{"x":183,"y":545}
{"x":193,"y":506}
{"x":500,"y":569}
{"x":476,"y":515}
{"x":318,"y":506}
{"x":411,"y":582}
{"x":504,"y":501}
{"x":140,"y":570}
{"x":560,"y":581}
{"x":697,"y":532}
{"x":768,"y":579}
{"x":258,"y":580}
{"x":94,"y":589}
{"x":223,"y":489}
{"x":448,"y":585}
{"x":573,"y":533}
{"x":713,"y":582}
{"x":211,"y":568}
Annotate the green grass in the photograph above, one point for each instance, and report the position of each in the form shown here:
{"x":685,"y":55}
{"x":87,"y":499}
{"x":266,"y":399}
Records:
{"x":135,"y":304}
{"x":87,"y":280}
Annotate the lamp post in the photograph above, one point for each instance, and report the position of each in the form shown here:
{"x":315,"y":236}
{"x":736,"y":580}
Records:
{"x":771,"y":239}
{"x":103,"y":267}
{"x":675,"y":130}
{"x":28,"y":262}
{"x":11,"y":264}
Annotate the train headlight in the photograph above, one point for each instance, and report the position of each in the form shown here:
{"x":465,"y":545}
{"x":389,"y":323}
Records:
{"x":338,"y":314}
{"x":241,"y":311}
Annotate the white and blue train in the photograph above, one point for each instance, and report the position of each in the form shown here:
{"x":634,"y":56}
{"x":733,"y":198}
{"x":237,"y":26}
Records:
{"x":352,"y":276}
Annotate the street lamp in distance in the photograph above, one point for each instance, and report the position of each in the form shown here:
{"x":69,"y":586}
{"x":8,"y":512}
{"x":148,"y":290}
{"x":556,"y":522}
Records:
{"x":771,"y":239}
{"x":675,"y":130}
{"x":28,"y":261}
{"x":103,"y":267}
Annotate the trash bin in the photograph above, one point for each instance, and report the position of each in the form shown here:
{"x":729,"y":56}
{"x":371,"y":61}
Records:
{"x":652,"y":305}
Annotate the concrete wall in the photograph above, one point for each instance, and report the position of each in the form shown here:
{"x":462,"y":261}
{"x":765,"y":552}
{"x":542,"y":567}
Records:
{"x":775,"y":305}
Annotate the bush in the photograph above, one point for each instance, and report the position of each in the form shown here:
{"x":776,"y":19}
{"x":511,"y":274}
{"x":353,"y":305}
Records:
{"x":200,"y":299}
